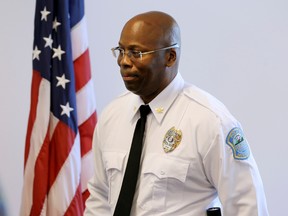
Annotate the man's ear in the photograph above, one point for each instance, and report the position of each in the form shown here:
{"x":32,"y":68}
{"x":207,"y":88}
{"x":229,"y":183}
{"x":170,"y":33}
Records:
{"x":172,"y":56}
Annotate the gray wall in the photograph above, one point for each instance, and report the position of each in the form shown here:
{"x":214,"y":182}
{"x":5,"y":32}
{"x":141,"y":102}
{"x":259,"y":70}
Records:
{"x":236,"y":50}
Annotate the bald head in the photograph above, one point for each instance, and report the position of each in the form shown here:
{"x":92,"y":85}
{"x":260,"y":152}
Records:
{"x":157,"y":26}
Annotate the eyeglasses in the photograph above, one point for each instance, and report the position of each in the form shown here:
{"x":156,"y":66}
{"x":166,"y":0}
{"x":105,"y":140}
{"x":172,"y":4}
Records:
{"x":119,"y":52}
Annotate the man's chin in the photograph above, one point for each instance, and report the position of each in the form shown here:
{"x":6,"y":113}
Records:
{"x":130,"y":87}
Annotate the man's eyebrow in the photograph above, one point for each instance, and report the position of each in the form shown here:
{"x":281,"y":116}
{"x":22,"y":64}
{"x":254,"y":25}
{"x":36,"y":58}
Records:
{"x":131,"y":47}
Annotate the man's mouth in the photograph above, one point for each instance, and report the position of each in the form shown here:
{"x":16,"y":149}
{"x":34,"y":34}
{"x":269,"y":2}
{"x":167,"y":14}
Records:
{"x":129,"y":77}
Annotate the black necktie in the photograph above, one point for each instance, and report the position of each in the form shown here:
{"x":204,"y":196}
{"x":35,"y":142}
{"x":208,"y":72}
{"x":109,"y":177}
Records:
{"x":126,"y":195}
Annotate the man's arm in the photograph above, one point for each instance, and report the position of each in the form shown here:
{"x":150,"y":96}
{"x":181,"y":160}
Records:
{"x":231,"y":168}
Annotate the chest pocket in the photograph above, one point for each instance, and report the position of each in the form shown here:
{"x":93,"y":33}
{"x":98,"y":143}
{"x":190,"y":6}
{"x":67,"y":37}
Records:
{"x":163,"y":179}
{"x":114,"y":166}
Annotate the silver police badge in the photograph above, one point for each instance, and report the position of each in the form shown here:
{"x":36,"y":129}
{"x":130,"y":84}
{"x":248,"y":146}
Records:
{"x":238,"y":143}
{"x":172,"y":139}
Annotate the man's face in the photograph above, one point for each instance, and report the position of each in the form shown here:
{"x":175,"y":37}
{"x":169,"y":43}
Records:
{"x":146,"y":77}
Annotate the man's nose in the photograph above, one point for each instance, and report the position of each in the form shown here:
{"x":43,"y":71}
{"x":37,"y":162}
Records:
{"x":124,"y":59}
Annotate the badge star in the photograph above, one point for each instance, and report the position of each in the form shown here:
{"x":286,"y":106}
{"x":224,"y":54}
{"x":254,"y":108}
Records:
{"x":56,"y":24}
{"x":48,"y":41}
{"x":62,"y":81}
{"x":44,"y":14}
{"x":66,"y":109}
{"x":36,"y":53}
{"x":58,"y":52}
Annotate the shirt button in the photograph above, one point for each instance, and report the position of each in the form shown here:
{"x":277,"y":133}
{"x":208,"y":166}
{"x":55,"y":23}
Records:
{"x":162,"y":172}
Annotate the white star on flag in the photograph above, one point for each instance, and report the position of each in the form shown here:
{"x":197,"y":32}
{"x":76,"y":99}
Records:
{"x":44,"y":13}
{"x":66,"y":109}
{"x":56,"y":24}
{"x":48,"y":41}
{"x":62,"y":81}
{"x":36,"y":53}
{"x":58,"y":52}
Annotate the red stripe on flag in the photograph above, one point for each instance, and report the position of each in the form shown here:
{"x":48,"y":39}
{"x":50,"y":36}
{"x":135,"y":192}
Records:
{"x":86,"y":131}
{"x":41,"y":178}
{"x":60,"y":147}
{"x":76,"y":205}
{"x":82,"y":70}
{"x":85,"y":196}
{"x":36,"y":80}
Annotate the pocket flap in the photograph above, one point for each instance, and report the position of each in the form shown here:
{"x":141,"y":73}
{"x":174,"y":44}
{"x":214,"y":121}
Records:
{"x":113,"y":160}
{"x":166,"y":167}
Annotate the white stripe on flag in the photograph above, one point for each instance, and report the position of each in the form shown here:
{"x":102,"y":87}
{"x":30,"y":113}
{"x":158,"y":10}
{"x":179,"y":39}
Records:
{"x":85,"y":96}
{"x":79,"y":38}
{"x":88,"y":167}
{"x":38,"y":134}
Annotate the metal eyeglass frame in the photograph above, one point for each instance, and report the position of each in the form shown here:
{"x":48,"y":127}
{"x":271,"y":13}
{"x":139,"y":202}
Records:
{"x":138,"y":54}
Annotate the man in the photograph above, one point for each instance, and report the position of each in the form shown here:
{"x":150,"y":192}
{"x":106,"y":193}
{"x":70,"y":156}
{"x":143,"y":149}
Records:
{"x":194,"y":153}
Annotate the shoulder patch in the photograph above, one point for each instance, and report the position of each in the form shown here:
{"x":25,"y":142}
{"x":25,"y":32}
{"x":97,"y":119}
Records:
{"x":238,"y":143}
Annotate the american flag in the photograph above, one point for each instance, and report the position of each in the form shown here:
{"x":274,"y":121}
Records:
{"x":58,"y":158}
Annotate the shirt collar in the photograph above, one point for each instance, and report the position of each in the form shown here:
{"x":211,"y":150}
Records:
{"x":161,"y":104}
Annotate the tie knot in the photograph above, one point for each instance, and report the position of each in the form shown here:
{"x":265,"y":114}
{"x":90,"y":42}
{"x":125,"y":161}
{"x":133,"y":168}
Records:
{"x":144,"y":110}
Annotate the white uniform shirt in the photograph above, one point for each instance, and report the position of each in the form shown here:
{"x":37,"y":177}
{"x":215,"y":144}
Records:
{"x":204,"y":168}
